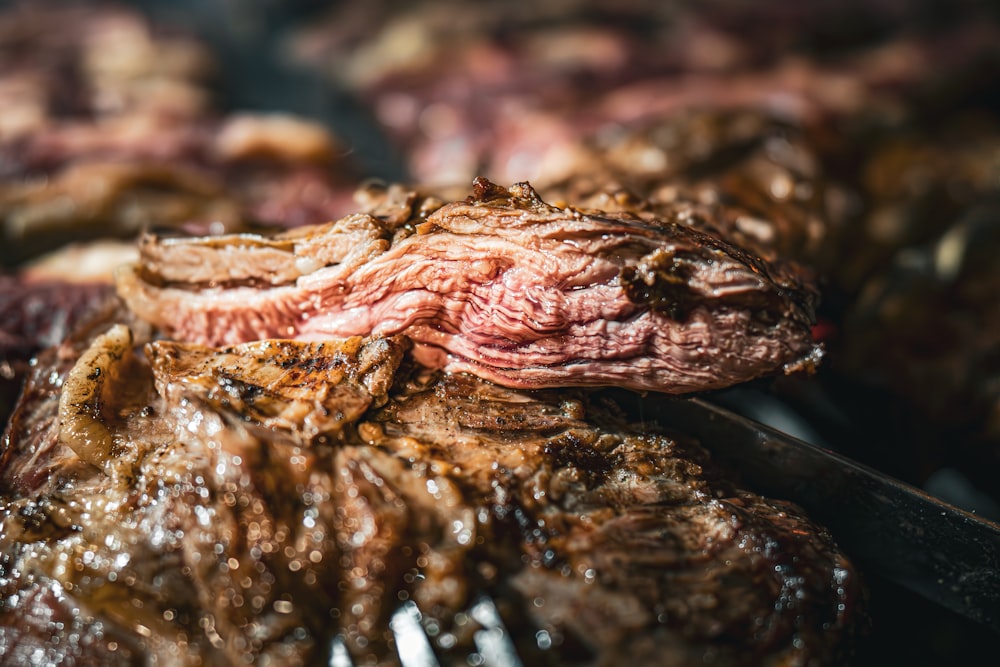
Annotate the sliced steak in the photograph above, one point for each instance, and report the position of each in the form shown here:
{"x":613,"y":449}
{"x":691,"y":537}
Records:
{"x":184,"y":505}
{"x":501,"y":285}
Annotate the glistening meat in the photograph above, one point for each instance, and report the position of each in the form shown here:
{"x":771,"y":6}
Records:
{"x":501,"y":285}
{"x":170,"y":503}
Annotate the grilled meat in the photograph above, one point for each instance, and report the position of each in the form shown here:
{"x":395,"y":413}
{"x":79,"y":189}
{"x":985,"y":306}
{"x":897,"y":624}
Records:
{"x":501,"y":285}
{"x":83,"y":59}
{"x":45,"y":300}
{"x":167,"y":502}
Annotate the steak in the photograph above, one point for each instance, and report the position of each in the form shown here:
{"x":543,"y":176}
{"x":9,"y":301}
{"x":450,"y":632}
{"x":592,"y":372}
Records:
{"x":501,"y":285}
{"x":173,"y":503}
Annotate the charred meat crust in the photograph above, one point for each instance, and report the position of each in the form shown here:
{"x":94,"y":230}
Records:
{"x":269,"y":522}
{"x":310,"y":389}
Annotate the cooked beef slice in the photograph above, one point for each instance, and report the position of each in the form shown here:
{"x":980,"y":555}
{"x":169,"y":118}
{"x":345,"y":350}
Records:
{"x":501,"y":285}
{"x":166,"y":502}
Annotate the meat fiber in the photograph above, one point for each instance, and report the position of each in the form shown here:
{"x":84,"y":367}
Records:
{"x":167,"y":503}
{"x":501,"y":285}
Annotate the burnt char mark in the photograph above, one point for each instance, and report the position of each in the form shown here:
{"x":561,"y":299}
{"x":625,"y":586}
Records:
{"x":519,"y":196}
{"x":576,"y":449}
{"x":663,"y":284}
{"x":305,"y":367}
{"x":241,"y":391}
{"x":663,"y":280}
{"x":484,"y":190}
{"x":306,"y":364}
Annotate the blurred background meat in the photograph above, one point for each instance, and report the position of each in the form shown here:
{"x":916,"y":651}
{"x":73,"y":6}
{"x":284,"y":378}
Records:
{"x":499,"y":90}
{"x":112,"y":125}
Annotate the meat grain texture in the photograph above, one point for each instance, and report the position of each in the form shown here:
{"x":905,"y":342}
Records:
{"x":501,"y":285}
{"x":172,"y":503}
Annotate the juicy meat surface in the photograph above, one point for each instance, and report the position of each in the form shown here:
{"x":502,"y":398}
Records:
{"x":170,"y":503}
{"x":45,"y":300}
{"x":501,"y":285}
